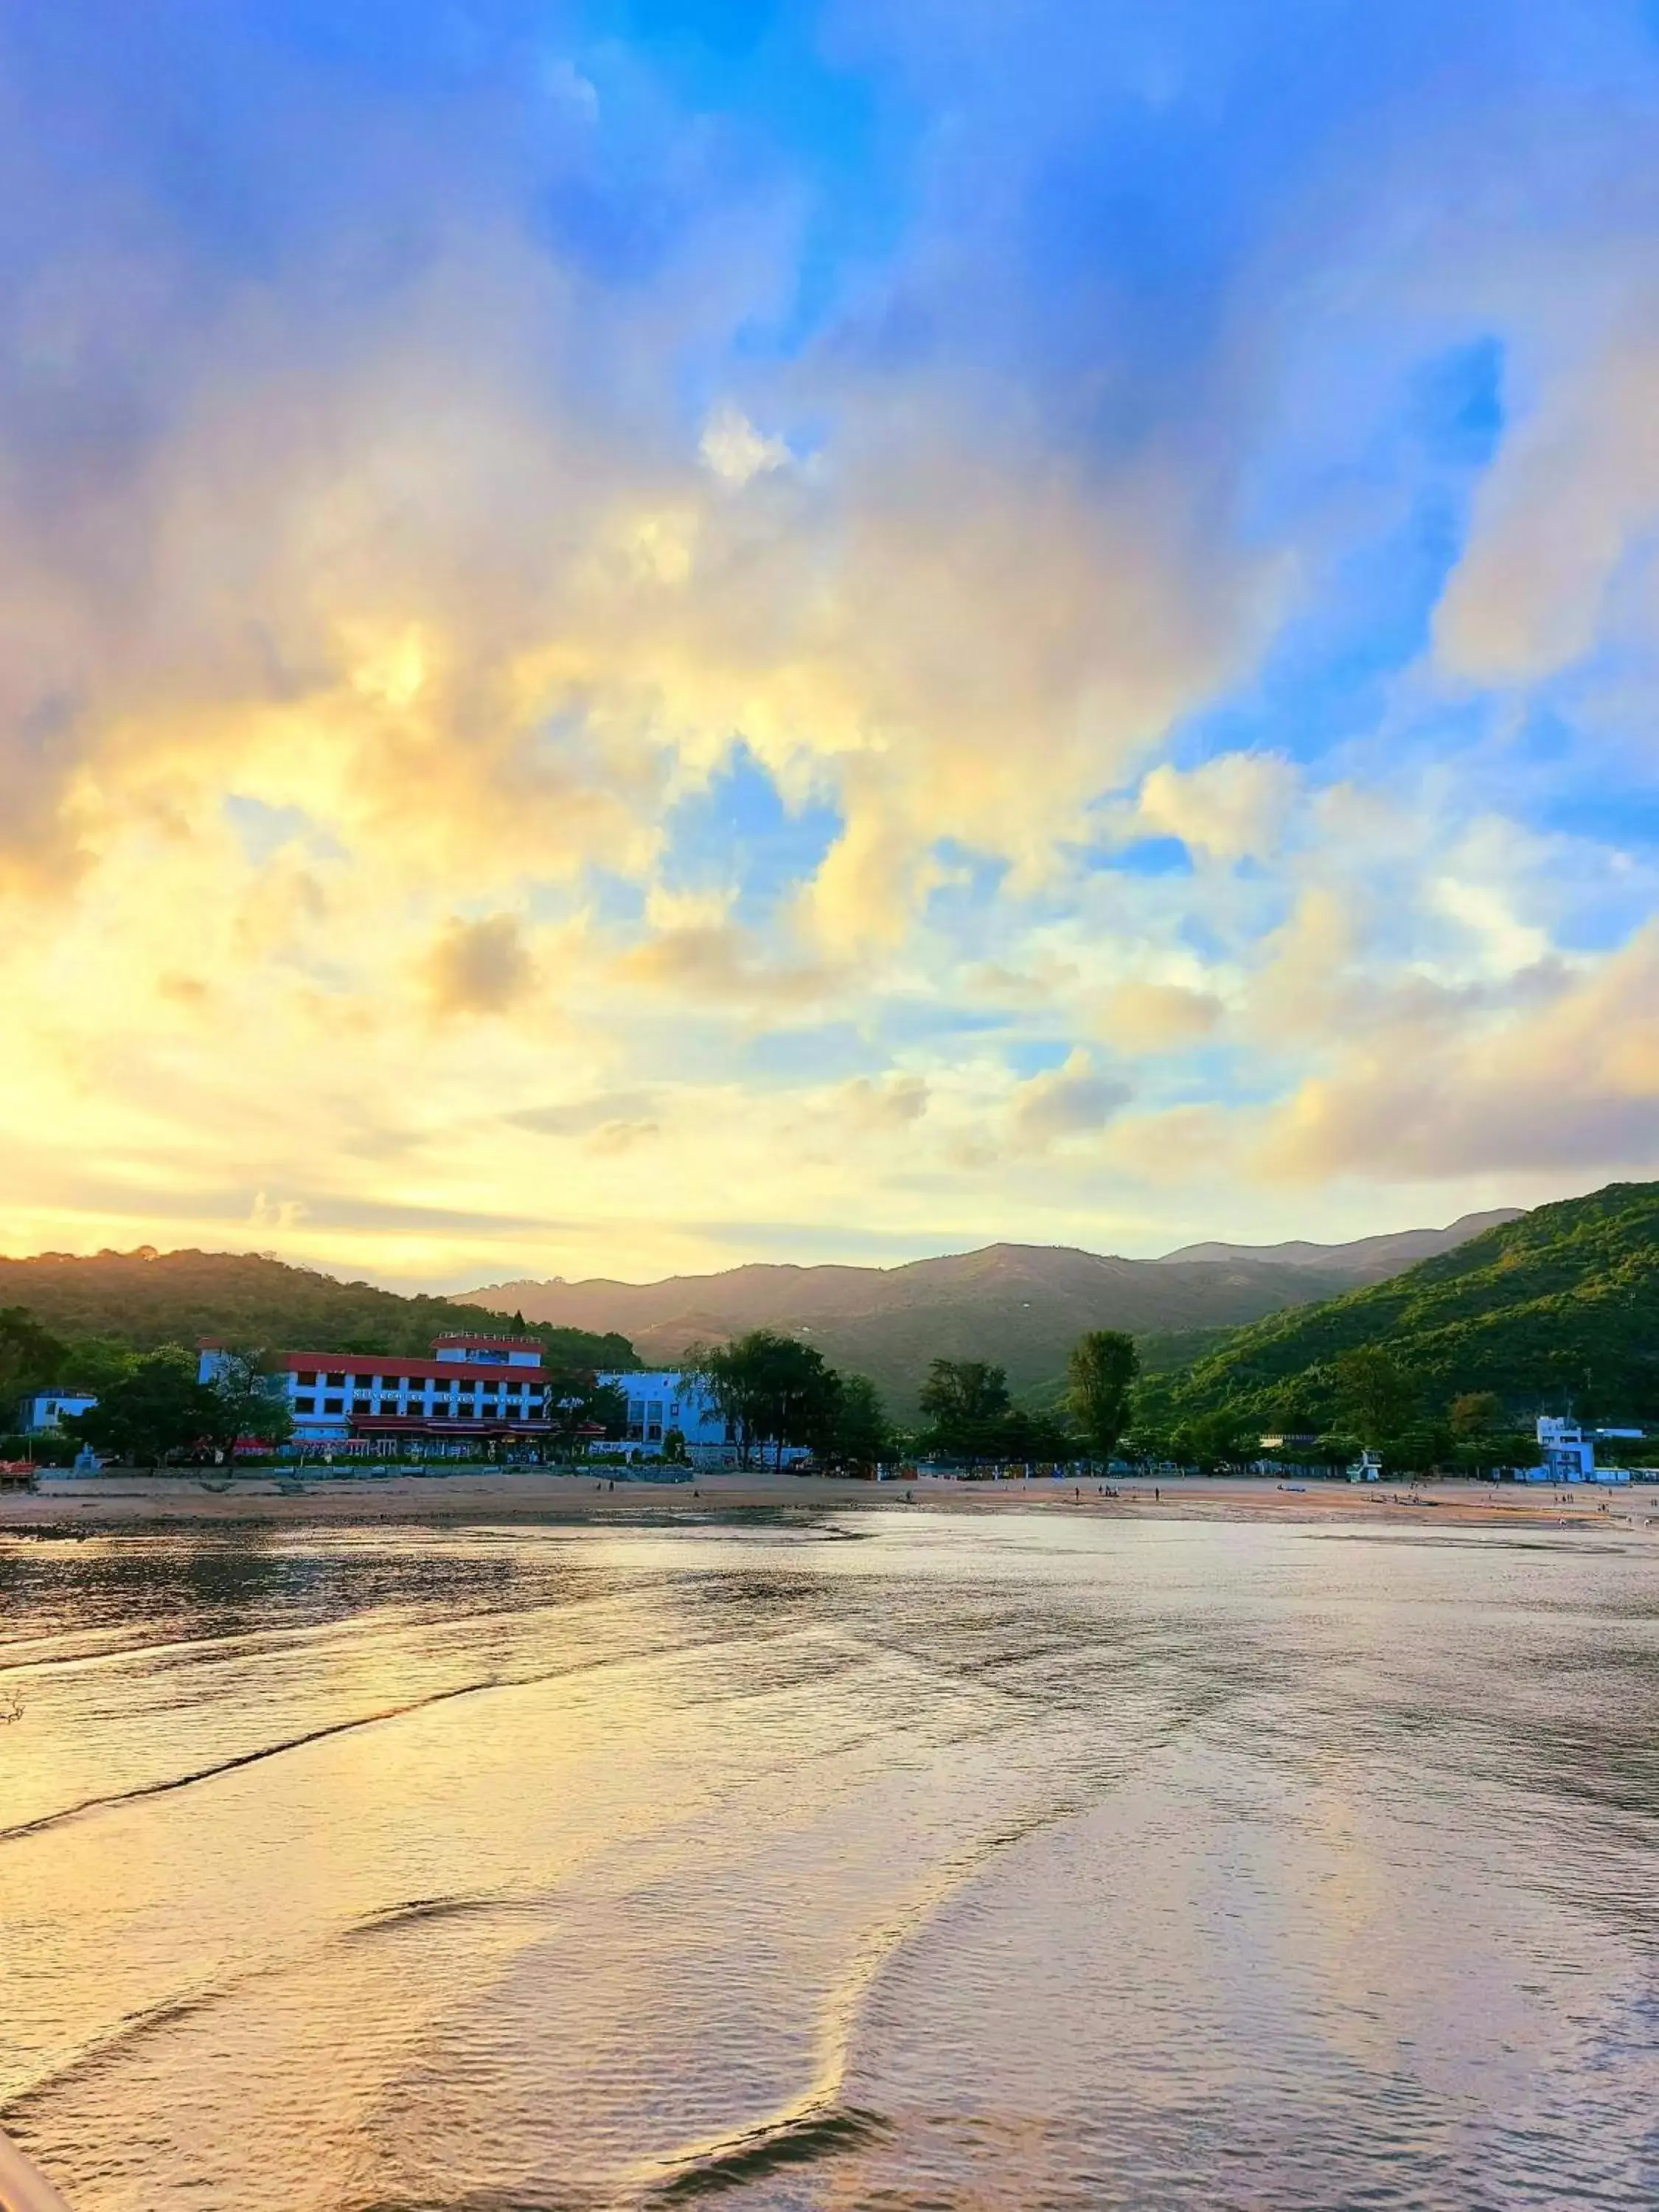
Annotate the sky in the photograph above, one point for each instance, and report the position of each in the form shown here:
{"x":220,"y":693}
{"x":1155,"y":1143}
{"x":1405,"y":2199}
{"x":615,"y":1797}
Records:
{"x":650,"y":633}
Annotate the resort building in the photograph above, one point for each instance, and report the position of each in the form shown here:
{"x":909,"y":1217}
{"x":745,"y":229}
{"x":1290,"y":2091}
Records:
{"x":42,"y":1414}
{"x":1566,"y":1454}
{"x":664,"y":1401}
{"x":473,"y":1390}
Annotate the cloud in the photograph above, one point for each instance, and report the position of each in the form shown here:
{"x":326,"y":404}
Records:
{"x":1234,"y":807}
{"x":736,"y":451}
{"x":610,"y":1122}
{"x":480,"y":967}
{"x":893,"y":1102}
{"x":1063,"y":1102}
{"x":578,"y":1117}
{"x":720,"y":960}
{"x":1571,"y":498}
{"x":414,"y":502}
{"x":1158,"y":1016}
{"x":1570,"y":1085}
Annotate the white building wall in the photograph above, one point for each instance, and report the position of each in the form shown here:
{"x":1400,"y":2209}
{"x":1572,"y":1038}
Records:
{"x":43,"y":1413}
{"x":660,"y":1399}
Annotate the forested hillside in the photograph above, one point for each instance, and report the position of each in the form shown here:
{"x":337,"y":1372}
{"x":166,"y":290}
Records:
{"x":1561,"y":1305}
{"x":141,"y":1299}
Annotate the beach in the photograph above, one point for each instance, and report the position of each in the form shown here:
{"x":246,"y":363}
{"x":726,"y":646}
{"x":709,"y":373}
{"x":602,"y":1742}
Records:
{"x":127,"y":1500}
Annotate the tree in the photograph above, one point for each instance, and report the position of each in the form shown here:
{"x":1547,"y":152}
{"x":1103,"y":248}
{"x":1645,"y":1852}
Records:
{"x":966,"y":1403}
{"x":970,"y":1417}
{"x":1374,"y":1393}
{"x":771,"y":1389}
{"x":30,"y":1356}
{"x":1222,"y":1438}
{"x":249,"y":1401}
{"x":1475,"y":1414}
{"x":859,"y":1433}
{"x":147,"y":1414}
{"x":1102,"y":1368}
{"x":1023,"y":1435}
{"x":575,"y":1400}
{"x":96,"y":1362}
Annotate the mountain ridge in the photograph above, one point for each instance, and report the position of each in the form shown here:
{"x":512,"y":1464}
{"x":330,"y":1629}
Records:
{"x":1022,"y":1306}
{"x":1391,"y":1251}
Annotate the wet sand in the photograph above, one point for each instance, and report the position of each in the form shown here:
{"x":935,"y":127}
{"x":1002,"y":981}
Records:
{"x":128,"y":1500}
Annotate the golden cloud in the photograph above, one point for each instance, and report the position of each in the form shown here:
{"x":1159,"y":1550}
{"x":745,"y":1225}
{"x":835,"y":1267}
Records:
{"x":1158,"y":1016}
{"x":479,"y":967}
{"x":1571,"y":1083}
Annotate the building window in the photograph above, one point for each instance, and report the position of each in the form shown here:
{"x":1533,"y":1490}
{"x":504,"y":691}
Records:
{"x":337,"y":1382}
{"x":306,"y":1381}
{"x":333,"y":1406}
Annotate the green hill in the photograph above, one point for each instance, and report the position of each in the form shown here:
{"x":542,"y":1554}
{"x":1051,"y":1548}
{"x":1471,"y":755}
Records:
{"x":1563,"y":1304}
{"x":143,"y":1298}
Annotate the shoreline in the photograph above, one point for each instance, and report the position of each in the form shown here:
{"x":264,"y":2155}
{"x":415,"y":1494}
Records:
{"x":134,"y":1503}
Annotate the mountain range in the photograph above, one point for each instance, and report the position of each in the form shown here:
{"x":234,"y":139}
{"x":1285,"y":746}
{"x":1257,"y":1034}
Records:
{"x":1022,"y":1306}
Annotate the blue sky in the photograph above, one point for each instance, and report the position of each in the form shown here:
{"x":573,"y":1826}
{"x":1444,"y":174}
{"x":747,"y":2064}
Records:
{"x":635,"y":630}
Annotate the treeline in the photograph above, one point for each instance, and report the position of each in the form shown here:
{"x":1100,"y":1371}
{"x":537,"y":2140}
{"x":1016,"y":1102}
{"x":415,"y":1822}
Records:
{"x":773,"y":1391}
{"x":151,"y":1409}
{"x":1371,"y":1400}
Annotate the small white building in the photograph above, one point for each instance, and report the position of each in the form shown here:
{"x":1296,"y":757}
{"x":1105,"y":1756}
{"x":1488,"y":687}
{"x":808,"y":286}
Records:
{"x":663,"y":1400}
{"x":42,"y":1414}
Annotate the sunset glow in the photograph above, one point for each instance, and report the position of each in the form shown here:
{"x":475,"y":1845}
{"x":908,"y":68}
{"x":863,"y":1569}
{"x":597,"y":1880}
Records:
{"x":634,"y":635}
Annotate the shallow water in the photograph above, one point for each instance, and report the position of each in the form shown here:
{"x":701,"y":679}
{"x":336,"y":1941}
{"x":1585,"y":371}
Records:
{"x":902,"y":1863}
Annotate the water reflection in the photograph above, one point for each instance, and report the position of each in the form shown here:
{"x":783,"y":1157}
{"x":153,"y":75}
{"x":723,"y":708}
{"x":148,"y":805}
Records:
{"x":967,"y":1864}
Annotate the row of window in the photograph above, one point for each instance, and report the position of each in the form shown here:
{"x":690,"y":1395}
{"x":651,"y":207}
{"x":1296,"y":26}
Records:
{"x":361,"y":1383}
{"x":439,"y":1403}
{"x":487,"y":1392}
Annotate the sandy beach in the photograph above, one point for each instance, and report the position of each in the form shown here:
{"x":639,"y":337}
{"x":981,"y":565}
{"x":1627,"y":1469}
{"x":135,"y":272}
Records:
{"x":127,"y":1500}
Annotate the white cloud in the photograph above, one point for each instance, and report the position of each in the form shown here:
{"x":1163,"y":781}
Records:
{"x":1234,"y":807}
{"x":1573,"y":495}
{"x":735,"y":450}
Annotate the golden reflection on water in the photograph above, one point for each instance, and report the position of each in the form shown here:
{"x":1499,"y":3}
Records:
{"x":964,"y":1863}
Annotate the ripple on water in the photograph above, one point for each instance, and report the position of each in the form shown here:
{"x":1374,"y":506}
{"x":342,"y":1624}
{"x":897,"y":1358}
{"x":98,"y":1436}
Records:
{"x":969,"y":1865}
